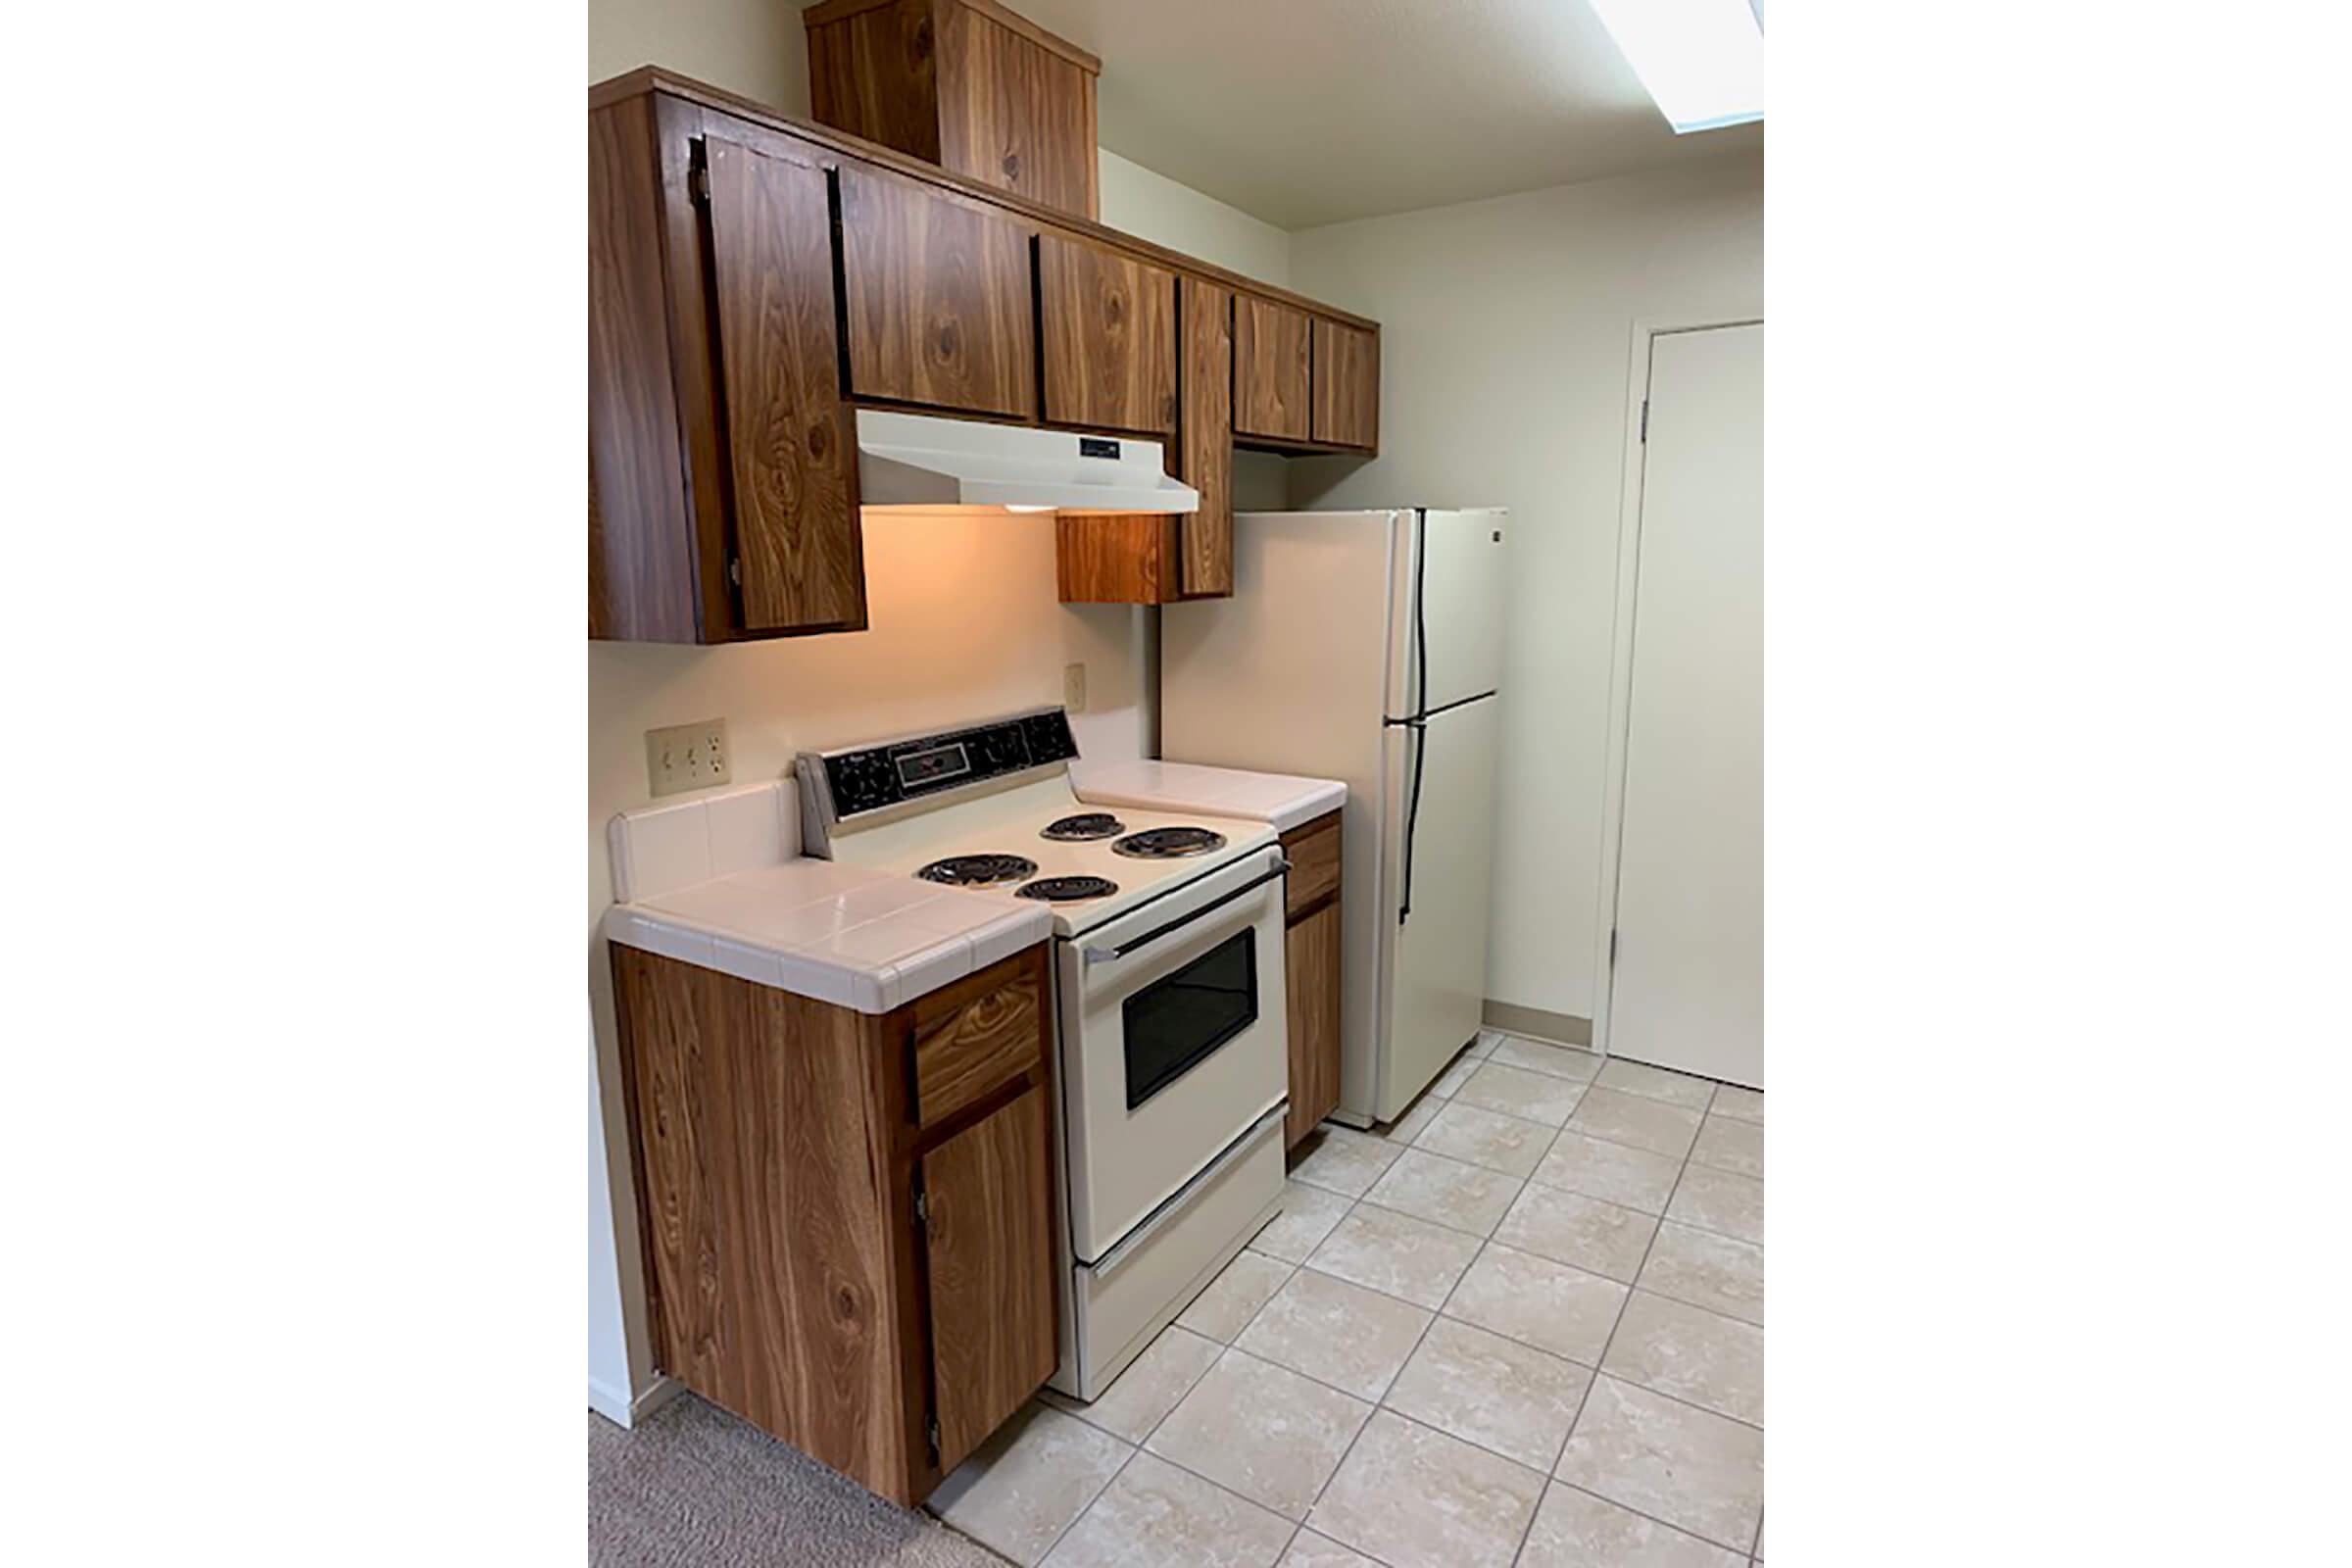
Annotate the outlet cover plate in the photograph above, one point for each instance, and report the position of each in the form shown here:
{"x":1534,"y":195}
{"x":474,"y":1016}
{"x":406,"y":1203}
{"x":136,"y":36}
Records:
{"x":687,"y":757}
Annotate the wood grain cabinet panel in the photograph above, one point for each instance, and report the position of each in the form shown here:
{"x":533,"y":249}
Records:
{"x":967,"y":84}
{"x":1347,"y":385}
{"x":937,"y":298}
{"x":1271,"y":376}
{"x":1016,"y":106}
{"x":816,"y":1261}
{"x":1110,"y":325}
{"x":989,"y":1200}
{"x":1313,"y":850}
{"x":1204,"y":435}
{"x":792,"y":459}
{"x":974,"y":1044}
{"x":1311,"y":952}
{"x":768,"y":1225}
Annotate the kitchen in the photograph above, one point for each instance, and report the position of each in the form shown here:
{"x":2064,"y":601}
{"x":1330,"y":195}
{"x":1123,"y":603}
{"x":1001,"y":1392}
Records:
{"x":1176,"y":1174}
{"x":1136,"y":839}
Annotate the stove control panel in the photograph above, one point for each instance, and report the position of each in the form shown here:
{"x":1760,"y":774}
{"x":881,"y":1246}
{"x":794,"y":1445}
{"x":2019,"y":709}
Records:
{"x":869,"y":778}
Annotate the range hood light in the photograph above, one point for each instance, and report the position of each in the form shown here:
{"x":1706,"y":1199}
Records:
{"x":917,"y":462}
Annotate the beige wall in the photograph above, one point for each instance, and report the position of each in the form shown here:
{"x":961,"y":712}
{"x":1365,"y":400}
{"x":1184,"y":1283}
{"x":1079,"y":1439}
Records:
{"x":1505,"y":334}
{"x":753,"y":47}
{"x":964,"y":618}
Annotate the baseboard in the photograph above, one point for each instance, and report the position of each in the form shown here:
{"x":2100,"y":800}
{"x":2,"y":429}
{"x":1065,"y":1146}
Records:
{"x":623,"y":1410}
{"x":1560,"y":1028}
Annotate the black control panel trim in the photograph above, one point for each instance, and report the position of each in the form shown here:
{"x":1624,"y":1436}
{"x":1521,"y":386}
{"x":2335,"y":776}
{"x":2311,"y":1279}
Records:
{"x":875,"y":777}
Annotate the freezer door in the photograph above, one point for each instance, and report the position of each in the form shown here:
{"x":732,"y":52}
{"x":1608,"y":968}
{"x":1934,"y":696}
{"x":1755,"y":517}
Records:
{"x":1434,"y":923}
{"x":1447,"y":600}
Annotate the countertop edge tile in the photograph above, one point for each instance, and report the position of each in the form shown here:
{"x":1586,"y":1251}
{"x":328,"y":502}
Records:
{"x":934,"y":954}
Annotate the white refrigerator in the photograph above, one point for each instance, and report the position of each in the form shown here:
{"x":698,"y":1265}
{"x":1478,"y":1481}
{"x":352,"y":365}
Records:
{"x":1367,"y":647}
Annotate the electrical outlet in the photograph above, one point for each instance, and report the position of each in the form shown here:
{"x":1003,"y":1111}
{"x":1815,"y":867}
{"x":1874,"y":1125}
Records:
{"x":1073,"y":688}
{"x":687,"y":757}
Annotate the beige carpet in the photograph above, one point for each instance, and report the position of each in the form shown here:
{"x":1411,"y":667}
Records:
{"x":692,"y":1484}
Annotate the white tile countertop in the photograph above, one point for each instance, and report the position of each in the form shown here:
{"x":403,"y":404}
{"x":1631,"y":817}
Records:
{"x":719,"y":881}
{"x":1285,"y":800}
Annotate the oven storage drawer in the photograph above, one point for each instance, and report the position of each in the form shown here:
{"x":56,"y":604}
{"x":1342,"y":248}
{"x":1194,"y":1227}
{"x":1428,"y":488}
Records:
{"x":973,"y":1038}
{"x":1140,"y":1286}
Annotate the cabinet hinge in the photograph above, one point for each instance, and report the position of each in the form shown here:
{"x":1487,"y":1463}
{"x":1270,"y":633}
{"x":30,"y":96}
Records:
{"x":698,"y":183}
{"x":931,"y":1431}
{"x":922,"y":1209}
{"x":735,"y":571}
{"x":1645,"y":421}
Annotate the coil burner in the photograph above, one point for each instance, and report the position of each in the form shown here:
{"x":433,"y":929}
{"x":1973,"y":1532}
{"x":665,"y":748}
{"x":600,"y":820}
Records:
{"x":978,"y":870}
{"x":1168,"y":843}
{"x":1082,"y":827}
{"x":1067,"y":889}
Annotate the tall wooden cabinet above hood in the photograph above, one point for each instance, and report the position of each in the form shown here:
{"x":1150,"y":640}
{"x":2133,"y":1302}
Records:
{"x":966,"y":85}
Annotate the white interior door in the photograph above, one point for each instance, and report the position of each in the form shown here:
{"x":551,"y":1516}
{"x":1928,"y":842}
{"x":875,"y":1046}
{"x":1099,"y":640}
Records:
{"x":1687,"y":983}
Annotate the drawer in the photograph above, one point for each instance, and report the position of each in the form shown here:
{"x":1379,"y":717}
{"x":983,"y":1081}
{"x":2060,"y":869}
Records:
{"x":973,"y":1038}
{"x":1313,"y":852}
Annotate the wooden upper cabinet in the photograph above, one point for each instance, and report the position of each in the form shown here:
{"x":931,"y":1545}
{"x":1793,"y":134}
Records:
{"x":1016,"y":106}
{"x":1271,"y":345}
{"x":967,"y":84}
{"x":1110,"y":325}
{"x":1347,"y":385}
{"x":937,"y":298}
{"x":1205,"y":436}
{"x":722,"y":476}
{"x":789,"y":447}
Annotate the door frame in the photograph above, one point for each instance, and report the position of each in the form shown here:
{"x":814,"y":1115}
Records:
{"x":1646,"y":331}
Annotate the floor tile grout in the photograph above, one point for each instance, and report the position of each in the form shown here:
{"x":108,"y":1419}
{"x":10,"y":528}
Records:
{"x":1352,"y":1201}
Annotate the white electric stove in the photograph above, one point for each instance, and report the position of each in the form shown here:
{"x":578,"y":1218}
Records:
{"x":1169,"y":992}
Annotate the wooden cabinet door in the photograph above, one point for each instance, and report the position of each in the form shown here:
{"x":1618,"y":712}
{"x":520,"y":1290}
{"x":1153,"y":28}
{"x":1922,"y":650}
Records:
{"x":1110,"y":325}
{"x":1205,"y":436}
{"x":1347,"y":385}
{"x":1312,"y":954}
{"x":990,"y":1230}
{"x":1270,"y":380}
{"x":793,"y":467}
{"x":937,"y":298}
{"x":1014,"y":114}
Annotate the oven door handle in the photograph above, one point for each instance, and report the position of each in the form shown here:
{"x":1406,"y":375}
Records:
{"x":1095,"y":956}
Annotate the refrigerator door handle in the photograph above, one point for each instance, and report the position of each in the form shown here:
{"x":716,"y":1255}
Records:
{"x":1418,"y":723}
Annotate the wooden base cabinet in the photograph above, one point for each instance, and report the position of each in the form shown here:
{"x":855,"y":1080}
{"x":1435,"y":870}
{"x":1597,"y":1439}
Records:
{"x":847,"y":1219}
{"x":1312,"y":954}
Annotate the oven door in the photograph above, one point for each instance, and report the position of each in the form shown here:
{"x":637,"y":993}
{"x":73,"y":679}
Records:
{"x":1174,"y":1043}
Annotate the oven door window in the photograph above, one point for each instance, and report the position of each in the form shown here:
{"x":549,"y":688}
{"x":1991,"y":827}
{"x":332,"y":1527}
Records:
{"x":1179,"y":1019}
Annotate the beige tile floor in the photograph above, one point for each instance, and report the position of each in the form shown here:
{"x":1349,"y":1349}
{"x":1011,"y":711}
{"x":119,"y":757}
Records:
{"x":1523,"y":1325}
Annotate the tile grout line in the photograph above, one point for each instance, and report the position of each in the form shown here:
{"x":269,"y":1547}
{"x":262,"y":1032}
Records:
{"x":1614,"y":1324}
{"x":1377,"y":1406}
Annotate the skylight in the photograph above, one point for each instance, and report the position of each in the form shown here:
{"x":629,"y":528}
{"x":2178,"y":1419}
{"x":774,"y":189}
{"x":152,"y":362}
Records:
{"x":1701,"y":60}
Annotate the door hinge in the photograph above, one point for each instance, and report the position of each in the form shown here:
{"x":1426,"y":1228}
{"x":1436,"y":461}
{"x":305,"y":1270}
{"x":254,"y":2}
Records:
{"x":922,"y":1210}
{"x":698,"y":183}
{"x":1645,"y":421}
{"x":735,"y":571}
{"x":1612,"y":946}
{"x":931,"y":1431}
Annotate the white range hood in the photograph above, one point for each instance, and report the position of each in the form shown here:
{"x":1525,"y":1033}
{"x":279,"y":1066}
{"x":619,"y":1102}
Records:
{"x":916,"y":461}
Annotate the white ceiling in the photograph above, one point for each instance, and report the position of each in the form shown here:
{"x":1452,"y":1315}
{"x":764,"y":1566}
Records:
{"x":1307,"y":112}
